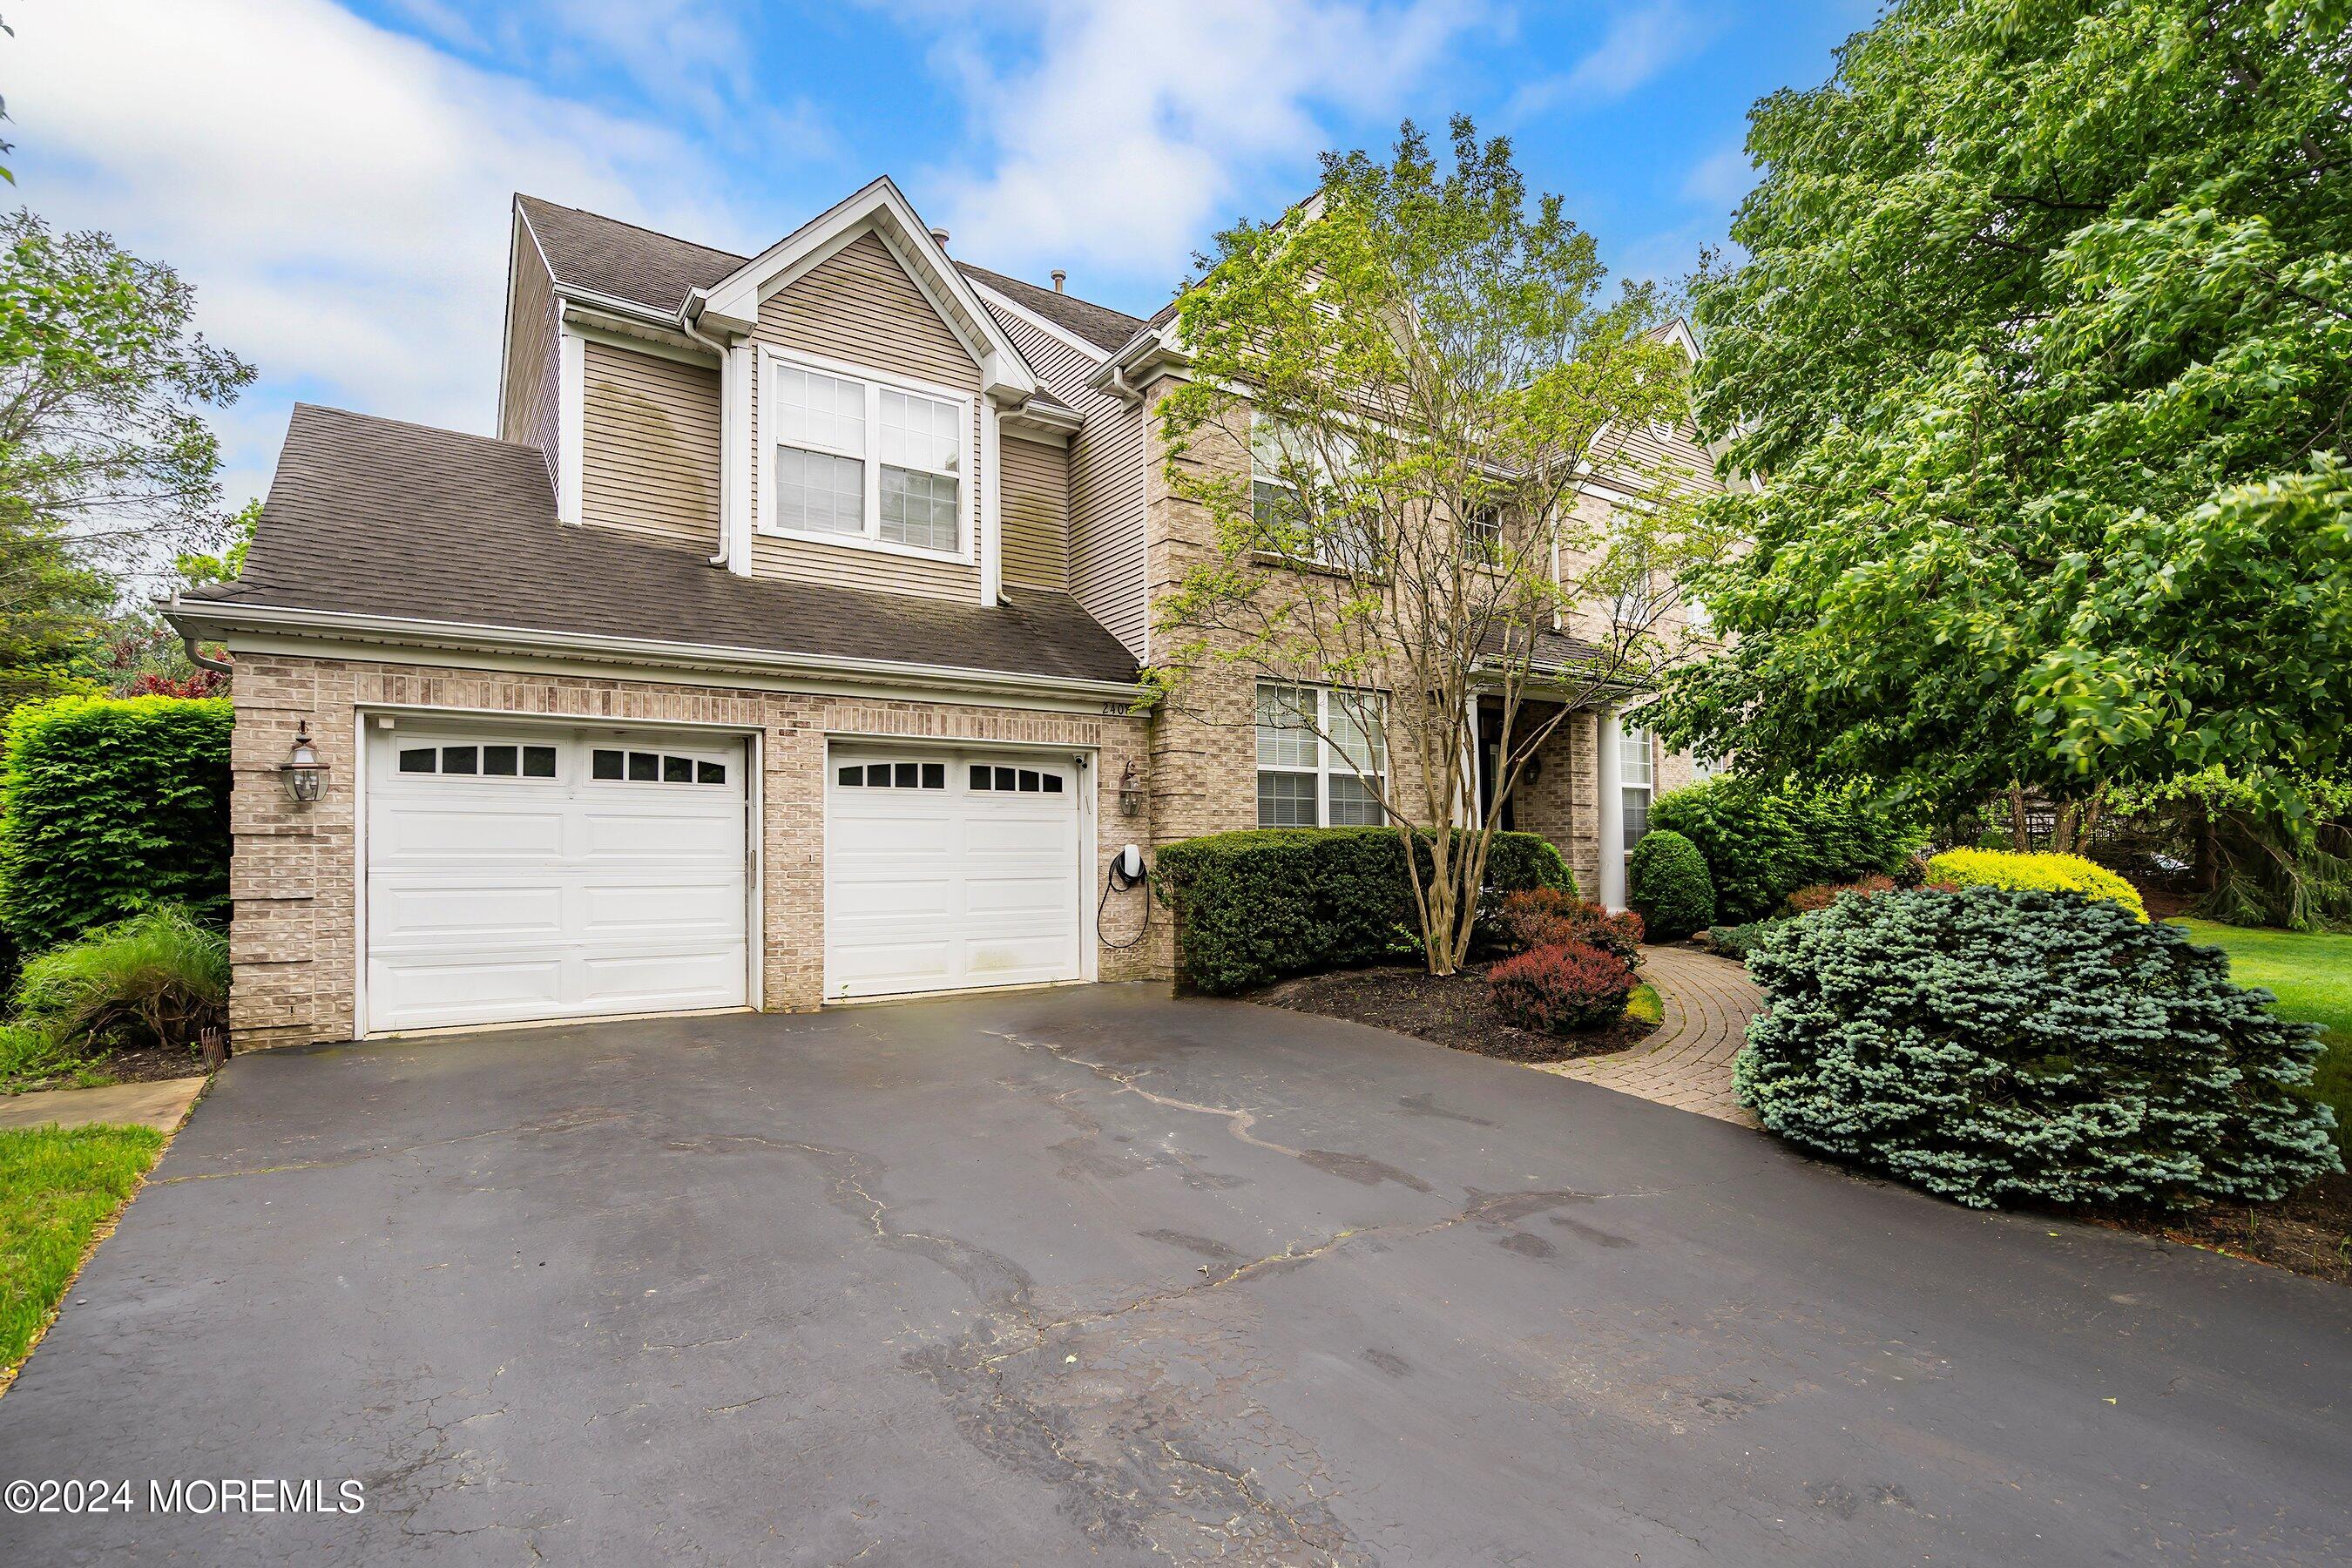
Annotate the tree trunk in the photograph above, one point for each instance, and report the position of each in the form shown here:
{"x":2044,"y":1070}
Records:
{"x":2061,"y":830}
{"x":2019,"y":840}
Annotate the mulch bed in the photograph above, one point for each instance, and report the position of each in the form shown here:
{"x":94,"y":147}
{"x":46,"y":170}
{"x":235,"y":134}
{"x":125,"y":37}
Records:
{"x":146,"y":1064}
{"x":2308,"y":1233}
{"x":1456,"y":1010}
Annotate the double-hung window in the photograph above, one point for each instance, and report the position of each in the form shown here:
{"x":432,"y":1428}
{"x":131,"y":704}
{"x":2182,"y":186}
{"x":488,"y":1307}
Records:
{"x":1638,"y":779}
{"x":1287,"y":522}
{"x":860,"y":459}
{"x":1321,"y":757}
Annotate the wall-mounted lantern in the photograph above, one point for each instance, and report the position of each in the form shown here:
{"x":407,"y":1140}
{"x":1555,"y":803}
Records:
{"x":1130,"y":793}
{"x":306,"y":775}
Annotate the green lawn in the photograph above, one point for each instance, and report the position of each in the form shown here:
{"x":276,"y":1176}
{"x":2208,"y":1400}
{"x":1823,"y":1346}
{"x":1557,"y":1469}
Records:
{"x":56,"y":1187}
{"x":2310,"y":973}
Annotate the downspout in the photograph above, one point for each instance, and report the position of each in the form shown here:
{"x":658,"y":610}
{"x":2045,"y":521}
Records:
{"x":196,"y":654}
{"x":725,"y":512}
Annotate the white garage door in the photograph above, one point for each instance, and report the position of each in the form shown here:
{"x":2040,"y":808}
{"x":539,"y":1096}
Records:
{"x":945,"y":871}
{"x":526,"y":874}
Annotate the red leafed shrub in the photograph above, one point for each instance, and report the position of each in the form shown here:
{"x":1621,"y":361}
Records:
{"x":1557,"y":989}
{"x":1547,"y":917}
{"x":1821,"y":895}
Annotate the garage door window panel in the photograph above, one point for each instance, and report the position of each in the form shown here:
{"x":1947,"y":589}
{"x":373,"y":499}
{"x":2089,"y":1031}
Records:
{"x":496,"y":760}
{"x":612,"y":764}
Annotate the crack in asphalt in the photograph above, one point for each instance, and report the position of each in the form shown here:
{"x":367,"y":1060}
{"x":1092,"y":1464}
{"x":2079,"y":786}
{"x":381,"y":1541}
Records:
{"x":568,"y":1122}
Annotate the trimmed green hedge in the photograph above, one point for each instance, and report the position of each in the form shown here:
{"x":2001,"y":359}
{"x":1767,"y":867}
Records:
{"x":1668,"y":884}
{"x":108,"y":806}
{"x":1761,"y":844}
{"x":1256,"y":905}
{"x":1995,"y":1045}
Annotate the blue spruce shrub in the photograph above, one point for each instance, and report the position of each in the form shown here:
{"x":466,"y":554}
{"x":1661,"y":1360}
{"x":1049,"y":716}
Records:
{"x":1994,"y":1045}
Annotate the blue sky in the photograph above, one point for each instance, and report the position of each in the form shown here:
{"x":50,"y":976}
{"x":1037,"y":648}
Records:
{"x":332,"y":176}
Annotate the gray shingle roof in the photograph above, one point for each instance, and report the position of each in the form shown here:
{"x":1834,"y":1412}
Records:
{"x":375,"y":517}
{"x":1098,"y":325}
{"x":591,"y":251}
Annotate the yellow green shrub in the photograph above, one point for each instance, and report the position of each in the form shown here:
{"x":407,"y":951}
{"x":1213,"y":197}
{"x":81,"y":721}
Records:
{"x":2047,"y":873}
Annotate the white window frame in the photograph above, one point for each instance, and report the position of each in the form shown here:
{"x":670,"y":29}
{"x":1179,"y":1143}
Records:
{"x":1635,"y":753}
{"x":967,"y":477}
{"x":1326,"y":553}
{"x":1329,"y":763}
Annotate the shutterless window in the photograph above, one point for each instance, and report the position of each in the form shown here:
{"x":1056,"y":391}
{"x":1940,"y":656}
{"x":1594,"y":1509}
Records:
{"x":859,"y":459}
{"x":1306,"y":780}
{"x":1639,"y":779}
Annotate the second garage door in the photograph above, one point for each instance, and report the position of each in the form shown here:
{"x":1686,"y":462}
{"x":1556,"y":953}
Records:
{"x":950,"y":870}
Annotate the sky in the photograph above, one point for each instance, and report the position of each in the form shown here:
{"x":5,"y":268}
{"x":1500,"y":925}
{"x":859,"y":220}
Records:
{"x":334,"y":177}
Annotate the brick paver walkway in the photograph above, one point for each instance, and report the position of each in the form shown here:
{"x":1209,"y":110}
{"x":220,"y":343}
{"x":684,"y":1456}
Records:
{"x":1687,"y":1063}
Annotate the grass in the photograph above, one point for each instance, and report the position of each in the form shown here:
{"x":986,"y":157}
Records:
{"x":58,"y":1186}
{"x":2311,"y":974}
{"x":1644,"y":1005}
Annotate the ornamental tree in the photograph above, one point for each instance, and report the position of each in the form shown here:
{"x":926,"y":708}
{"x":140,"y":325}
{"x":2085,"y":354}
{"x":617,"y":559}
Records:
{"x":1427,"y":376}
{"x":2044,"y":338}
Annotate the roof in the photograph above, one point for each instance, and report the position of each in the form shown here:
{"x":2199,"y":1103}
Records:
{"x":605,"y":255}
{"x":1098,"y":325}
{"x":375,"y":517}
{"x":1553,"y":653}
{"x":644,"y":266}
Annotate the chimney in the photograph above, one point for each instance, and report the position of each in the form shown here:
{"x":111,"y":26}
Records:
{"x":1060,"y":277}
{"x":939,"y":237}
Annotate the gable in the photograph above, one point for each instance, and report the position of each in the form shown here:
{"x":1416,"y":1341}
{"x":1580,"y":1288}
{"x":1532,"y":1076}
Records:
{"x":859,"y":305}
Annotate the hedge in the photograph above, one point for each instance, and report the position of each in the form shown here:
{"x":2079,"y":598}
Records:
{"x":1761,"y":844}
{"x":1994,"y":1046}
{"x":2050,"y":873}
{"x":1668,"y":884}
{"x":110,"y":806}
{"x":1256,"y":905}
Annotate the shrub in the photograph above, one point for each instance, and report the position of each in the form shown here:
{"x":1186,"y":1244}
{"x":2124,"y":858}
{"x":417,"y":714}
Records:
{"x":1256,"y":905}
{"x":1821,"y":895}
{"x":1668,"y":884}
{"x":2050,"y":873}
{"x":159,"y":977}
{"x":1738,"y":941}
{"x":1760,"y":844}
{"x":1553,"y":990}
{"x":1994,"y":1045}
{"x":1549,"y":917}
{"x":108,"y":806}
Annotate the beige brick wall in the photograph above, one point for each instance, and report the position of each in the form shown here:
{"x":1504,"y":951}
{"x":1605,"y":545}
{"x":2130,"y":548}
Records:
{"x":293,"y":942}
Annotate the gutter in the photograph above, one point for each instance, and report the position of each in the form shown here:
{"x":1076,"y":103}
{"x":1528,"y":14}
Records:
{"x":188,"y":616}
{"x":689,"y":309}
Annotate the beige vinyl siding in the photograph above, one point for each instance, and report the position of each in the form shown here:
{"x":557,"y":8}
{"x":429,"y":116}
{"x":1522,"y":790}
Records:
{"x":650,"y":437}
{"x":534,"y":372}
{"x":1106,"y":479}
{"x":859,"y":306}
{"x":1036,"y":509}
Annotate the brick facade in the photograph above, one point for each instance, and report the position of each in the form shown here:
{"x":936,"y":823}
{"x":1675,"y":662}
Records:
{"x":294,"y":875}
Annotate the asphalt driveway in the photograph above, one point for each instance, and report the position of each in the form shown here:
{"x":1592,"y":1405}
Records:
{"x":1095,"y":1276}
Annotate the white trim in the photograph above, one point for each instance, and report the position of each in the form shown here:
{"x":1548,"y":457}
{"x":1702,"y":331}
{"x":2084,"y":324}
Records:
{"x":968,"y":520}
{"x":1053,"y":329}
{"x":1329,"y":763}
{"x":629,"y":342}
{"x":649,"y":653}
{"x":1608,"y":780}
{"x":992,"y":508}
{"x":572,"y":425}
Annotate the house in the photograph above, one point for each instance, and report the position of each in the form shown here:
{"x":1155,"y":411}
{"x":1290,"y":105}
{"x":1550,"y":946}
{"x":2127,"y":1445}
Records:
{"x":781,"y":650}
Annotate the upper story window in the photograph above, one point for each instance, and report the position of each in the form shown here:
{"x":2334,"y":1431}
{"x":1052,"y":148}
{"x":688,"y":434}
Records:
{"x":1287,"y":524}
{"x":859,"y":458}
{"x":1321,"y":757}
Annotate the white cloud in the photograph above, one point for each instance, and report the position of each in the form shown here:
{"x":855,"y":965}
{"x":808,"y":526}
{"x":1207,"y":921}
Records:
{"x":336,"y":193}
{"x":1721,"y":179}
{"x":1639,"y":43}
{"x":1120,"y":140}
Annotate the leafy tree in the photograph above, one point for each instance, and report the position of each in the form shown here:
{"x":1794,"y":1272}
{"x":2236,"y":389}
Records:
{"x":1423,"y":365}
{"x":102,"y":380}
{"x":50,"y":609}
{"x":2044,"y":339}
